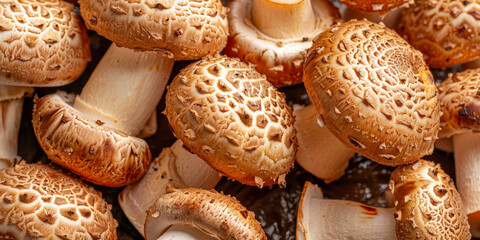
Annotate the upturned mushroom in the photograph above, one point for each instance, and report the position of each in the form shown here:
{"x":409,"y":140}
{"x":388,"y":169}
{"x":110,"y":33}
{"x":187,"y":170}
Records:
{"x":42,"y":202}
{"x":274,"y":35}
{"x":319,"y":151}
{"x":179,"y":29}
{"x":374,"y":92}
{"x":446,"y":31}
{"x":175,"y":167}
{"x":427,"y":206}
{"x":233,"y":118}
{"x":208,"y":215}
{"x":42,"y":43}
{"x":11,"y":105}
{"x":460,"y":120}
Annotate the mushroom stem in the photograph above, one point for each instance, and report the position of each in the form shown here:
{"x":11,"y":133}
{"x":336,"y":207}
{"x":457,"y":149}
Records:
{"x":175,"y":167}
{"x":284,"y":19}
{"x":466,"y":148}
{"x":150,"y":127}
{"x":125,"y":88}
{"x":11,"y":105}
{"x":320,"y":218}
{"x":319,"y":151}
{"x":444,"y":144}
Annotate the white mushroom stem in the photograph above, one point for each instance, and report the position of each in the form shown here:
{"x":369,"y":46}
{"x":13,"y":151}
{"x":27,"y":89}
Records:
{"x":284,"y":19}
{"x":320,"y":218}
{"x":150,"y":127}
{"x":319,"y":151}
{"x":125,"y":88}
{"x":390,"y":19}
{"x":444,"y":144}
{"x":175,"y":167}
{"x":11,"y":105}
{"x":467,"y":170}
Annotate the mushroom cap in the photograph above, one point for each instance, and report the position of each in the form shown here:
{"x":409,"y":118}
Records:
{"x":96,"y":153}
{"x":42,"y":43}
{"x":374,"y":92}
{"x":180,"y":29}
{"x":215,"y":214}
{"x":459,"y":95}
{"x":233,"y":118}
{"x":383,"y":6}
{"x":281,"y":60}
{"x":427,"y":203}
{"x":42,"y":202}
{"x":446,"y":31}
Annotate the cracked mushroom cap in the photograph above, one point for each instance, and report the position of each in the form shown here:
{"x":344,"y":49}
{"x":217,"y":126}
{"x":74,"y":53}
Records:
{"x":459,"y":95}
{"x":215,"y":214}
{"x":374,"y":92}
{"x":233,"y":118}
{"x":446,"y":31}
{"x":382,"y":6}
{"x":281,"y":60}
{"x":95,"y":152}
{"x":180,"y":29}
{"x":427,"y":203}
{"x":42,"y":202}
{"x":42,"y":43}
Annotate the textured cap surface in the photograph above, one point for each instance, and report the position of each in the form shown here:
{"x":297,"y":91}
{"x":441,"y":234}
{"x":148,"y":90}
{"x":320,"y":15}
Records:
{"x":427,"y":203}
{"x":96,"y":153}
{"x":280,"y":59}
{"x":42,"y":43}
{"x":459,"y":96}
{"x":233,"y":118}
{"x":181,"y":29}
{"x":374,"y":92}
{"x":214,"y":213}
{"x":376,"y":5}
{"x":446,"y":31}
{"x":39,"y":201}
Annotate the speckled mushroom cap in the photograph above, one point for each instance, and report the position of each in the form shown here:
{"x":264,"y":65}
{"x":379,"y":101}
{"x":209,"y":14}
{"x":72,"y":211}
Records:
{"x":96,"y":153}
{"x":446,"y":31}
{"x":281,"y":60}
{"x":427,"y":203}
{"x":233,"y":118}
{"x":459,"y":95}
{"x":39,"y":201}
{"x":216,"y":214}
{"x":374,"y":92}
{"x":42,"y":43}
{"x":376,"y":5}
{"x":180,"y":29}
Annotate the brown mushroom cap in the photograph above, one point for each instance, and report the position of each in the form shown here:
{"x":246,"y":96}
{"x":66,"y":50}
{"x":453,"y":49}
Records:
{"x":42,"y":43}
{"x":180,"y":29}
{"x":446,"y":31}
{"x":96,"y":153}
{"x":42,"y":202}
{"x":374,"y":92}
{"x":233,"y":118}
{"x":427,"y":203}
{"x":459,"y":95}
{"x":214,"y":213}
{"x":376,"y":5}
{"x":281,"y":60}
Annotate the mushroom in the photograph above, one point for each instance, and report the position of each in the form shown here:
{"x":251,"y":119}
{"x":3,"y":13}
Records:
{"x":42,"y":43}
{"x":319,"y":151}
{"x":390,"y":18}
{"x":427,"y":206}
{"x":11,"y":105}
{"x":175,"y":167}
{"x":374,"y":92}
{"x":233,"y":118}
{"x":213,"y":213}
{"x":459,"y":95}
{"x":444,"y":144}
{"x":274,"y":35}
{"x":380,"y":6}
{"x":445,"y":31}
{"x":179,"y":29}
{"x":42,"y":202}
